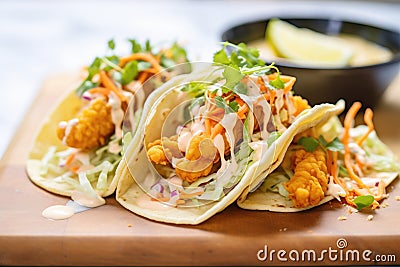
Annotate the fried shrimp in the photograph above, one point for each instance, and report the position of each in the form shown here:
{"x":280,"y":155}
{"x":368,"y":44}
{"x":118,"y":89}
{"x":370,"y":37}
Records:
{"x":310,"y":181}
{"x":199,"y":159}
{"x":90,"y":129}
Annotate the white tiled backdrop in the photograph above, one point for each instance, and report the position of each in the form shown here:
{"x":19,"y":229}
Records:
{"x":38,"y":38}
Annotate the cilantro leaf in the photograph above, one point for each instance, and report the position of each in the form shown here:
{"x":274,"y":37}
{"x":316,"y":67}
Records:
{"x":232,"y":76}
{"x":179,"y":54}
{"x":310,"y":144}
{"x":221,"y":57}
{"x":94,"y":68}
{"x":363,"y":201}
{"x":277,"y":82}
{"x":85,"y":85}
{"x":232,"y":107}
{"x":143,"y":65}
{"x":110,"y":62}
{"x":111,"y":44}
{"x":195,"y":89}
{"x":136,"y":47}
{"x":129,"y":72}
{"x":322,"y":141}
{"x":335,"y":145}
{"x":148,"y":47}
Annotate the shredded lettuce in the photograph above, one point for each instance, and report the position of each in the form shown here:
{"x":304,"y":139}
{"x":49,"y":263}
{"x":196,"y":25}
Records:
{"x":377,"y":152}
{"x":275,"y":183}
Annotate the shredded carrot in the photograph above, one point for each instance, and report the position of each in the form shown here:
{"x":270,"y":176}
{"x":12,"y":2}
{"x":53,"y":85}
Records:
{"x":142,"y":77}
{"x":208,"y":126}
{"x":151,"y":70}
{"x":260,"y":81}
{"x":272,"y":95}
{"x":74,"y":169}
{"x":218,"y":129}
{"x":109,"y":84}
{"x":184,"y":195}
{"x":141,"y":56}
{"x":368,"y":121}
{"x":70,"y":158}
{"x":180,"y":202}
{"x":289,"y":84}
{"x":348,"y":121}
{"x":99,"y":90}
{"x":242,"y":111}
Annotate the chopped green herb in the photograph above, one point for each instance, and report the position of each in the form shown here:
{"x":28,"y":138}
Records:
{"x":110,"y":63}
{"x":364,"y":201}
{"x":148,"y":46}
{"x":233,"y":77}
{"x":277,"y":82}
{"x":85,"y":85}
{"x":335,"y":145}
{"x":111,"y":44}
{"x":232,"y":107}
{"x":143,"y":65}
{"x":221,"y":57}
{"x":243,"y":61}
{"x":195,"y":89}
{"x":129,"y":72}
{"x":94,"y":68}
{"x":310,"y":144}
{"x":136,"y":47}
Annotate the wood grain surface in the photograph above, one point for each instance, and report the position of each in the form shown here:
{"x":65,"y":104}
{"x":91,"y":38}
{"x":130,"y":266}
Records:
{"x":111,"y":235}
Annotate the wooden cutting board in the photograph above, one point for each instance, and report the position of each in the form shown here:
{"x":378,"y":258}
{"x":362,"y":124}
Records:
{"x":110,"y":235}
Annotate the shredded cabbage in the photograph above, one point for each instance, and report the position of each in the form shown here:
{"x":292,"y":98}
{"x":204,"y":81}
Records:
{"x":275,"y":183}
{"x":377,"y":152}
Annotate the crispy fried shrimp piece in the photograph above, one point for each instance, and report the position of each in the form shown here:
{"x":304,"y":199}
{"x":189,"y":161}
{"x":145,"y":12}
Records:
{"x":162,"y":150}
{"x":90,"y":129}
{"x":300,"y":104}
{"x":310,"y":181}
{"x":199,"y":159}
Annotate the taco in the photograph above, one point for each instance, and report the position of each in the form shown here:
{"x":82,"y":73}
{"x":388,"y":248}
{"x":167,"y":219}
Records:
{"x":331,"y":161}
{"x":79,"y":147}
{"x":211,"y":136}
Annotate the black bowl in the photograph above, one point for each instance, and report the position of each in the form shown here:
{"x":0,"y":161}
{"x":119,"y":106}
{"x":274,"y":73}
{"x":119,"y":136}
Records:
{"x":364,"y":83}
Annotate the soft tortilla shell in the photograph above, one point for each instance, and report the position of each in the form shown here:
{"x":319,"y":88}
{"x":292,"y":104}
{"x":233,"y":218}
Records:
{"x":130,"y":195}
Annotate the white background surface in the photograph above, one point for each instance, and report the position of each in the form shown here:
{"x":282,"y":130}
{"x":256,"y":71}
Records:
{"x":38,"y":38}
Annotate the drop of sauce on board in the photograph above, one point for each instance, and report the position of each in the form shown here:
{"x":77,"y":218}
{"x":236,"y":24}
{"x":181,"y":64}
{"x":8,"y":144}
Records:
{"x":58,"y":212}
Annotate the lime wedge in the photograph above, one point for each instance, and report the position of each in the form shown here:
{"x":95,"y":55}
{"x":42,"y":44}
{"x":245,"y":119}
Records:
{"x":306,"y":46}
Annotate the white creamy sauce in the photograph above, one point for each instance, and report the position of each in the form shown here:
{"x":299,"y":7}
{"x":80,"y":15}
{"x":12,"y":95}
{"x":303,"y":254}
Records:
{"x":184,"y":137}
{"x":229,"y":122}
{"x":220,"y":145}
{"x":266,"y":108}
{"x":371,"y":182}
{"x":290,"y":107}
{"x":58,"y":212}
{"x":259,"y":147}
{"x":335,"y":190}
{"x":87,"y":200}
{"x":117,"y":114}
{"x":68,"y":127}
